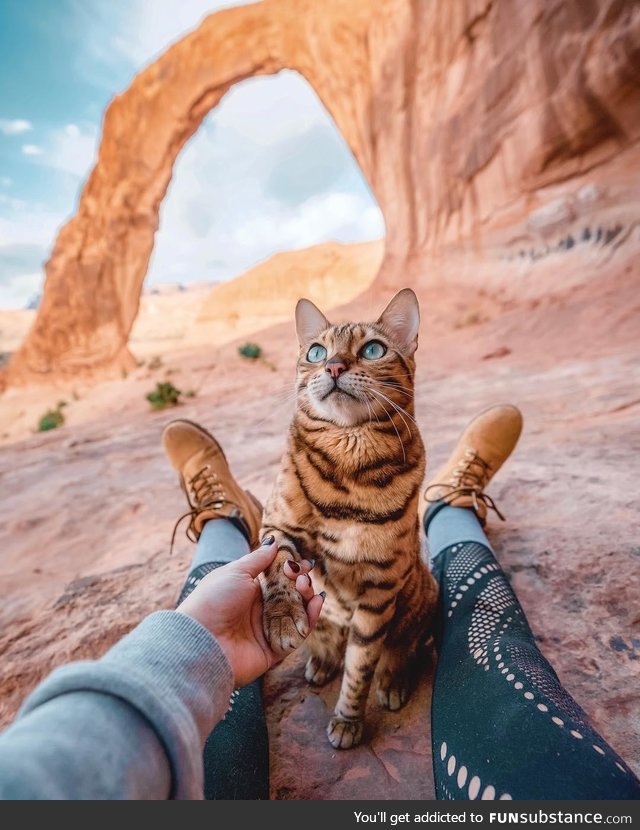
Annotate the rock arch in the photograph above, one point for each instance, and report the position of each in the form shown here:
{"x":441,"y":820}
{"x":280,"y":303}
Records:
{"x":96,"y":270}
{"x":455,"y":112}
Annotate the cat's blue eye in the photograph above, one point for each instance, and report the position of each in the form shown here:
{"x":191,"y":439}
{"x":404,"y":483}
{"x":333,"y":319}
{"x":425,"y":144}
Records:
{"x":316,"y":353}
{"x":374,"y":350}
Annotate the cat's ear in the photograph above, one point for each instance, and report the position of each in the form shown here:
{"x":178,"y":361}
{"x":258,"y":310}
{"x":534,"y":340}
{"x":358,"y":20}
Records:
{"x":310,"y":321}
{"x":401,"y":318}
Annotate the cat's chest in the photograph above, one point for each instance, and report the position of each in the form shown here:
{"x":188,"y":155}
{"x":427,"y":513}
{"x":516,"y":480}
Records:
{"x":350,"y":542}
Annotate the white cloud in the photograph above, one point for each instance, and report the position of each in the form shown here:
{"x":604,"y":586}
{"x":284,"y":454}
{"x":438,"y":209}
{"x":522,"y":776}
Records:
{"x":72,"y":149}
{"x":32,"y":150}
{"x":16,"y":291}
{"x":12,"y":203}
{"x":40,"y":230}
{"x":267,"y":112}
{"x":133,"y":33}
{"x":150,"y":26}
{"x":240,"y":188}
{"x":337,"y":216}
{"x":17,"y":126}
{"x":25,"y":243}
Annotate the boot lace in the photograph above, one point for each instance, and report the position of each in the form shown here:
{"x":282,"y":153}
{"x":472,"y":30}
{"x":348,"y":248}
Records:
{"x":206,"y":493}
{"x":468,"y":479}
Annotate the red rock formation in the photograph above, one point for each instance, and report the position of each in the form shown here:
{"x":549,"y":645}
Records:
{"x":475,"y":122}
{"x":330,"y":274}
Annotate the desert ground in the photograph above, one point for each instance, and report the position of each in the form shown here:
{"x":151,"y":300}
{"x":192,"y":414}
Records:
{"x":88,"y":509}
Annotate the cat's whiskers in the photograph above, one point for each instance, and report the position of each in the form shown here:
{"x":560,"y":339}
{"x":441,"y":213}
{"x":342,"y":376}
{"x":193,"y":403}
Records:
{"x":399,"y":390}
{"x":286,"y":389}
{"x":398,"y":409}
{"x":390,"y":417}
{"x":397,"y":377}
{"x":396,"y":387}
{"x":371,"y":412}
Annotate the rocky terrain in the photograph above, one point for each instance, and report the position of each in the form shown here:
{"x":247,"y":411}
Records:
{"x":87,"y":510}
{"x":501,"y":142}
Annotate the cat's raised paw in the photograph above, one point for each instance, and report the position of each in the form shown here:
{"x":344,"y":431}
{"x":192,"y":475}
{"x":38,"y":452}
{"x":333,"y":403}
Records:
{"x":318,"y":672}
{"x":285,"y":630}
{"x":344,"y":733}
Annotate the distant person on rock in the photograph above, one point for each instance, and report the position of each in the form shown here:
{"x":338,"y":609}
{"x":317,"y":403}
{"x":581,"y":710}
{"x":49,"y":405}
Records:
{"x":134,"y":724}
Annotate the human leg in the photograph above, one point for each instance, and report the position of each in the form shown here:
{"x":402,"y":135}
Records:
{"x":224,"y":521}
{"x":503,"y":726}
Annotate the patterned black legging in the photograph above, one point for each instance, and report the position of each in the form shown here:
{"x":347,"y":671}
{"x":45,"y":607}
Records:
{"x":503,"y":726}
{"x":236,"y":754}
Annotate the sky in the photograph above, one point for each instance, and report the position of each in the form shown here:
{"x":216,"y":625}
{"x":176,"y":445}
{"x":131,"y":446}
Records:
{"x":267,"y":171}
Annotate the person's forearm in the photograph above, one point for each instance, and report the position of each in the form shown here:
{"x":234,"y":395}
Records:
{"x":131,"y":725}
{"x":83,"y":745}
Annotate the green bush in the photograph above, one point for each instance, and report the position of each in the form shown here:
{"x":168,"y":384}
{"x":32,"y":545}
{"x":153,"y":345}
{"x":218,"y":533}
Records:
{"x":250,"y":350}
{"x":53,"y":418}
{"x":164,"y":395}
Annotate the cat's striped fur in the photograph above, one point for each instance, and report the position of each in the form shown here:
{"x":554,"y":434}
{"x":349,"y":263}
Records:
{"x":347,"y":496}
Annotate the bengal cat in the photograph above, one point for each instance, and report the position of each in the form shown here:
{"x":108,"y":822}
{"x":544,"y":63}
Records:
{"x":347,"y":496}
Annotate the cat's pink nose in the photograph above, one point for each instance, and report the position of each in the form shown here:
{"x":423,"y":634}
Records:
{"x":335,"y":368}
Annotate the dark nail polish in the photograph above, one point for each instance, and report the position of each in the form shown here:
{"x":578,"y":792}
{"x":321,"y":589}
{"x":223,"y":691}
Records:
{"x":294,"y":566}
{"x":268,"y":540}
{"x":312,"y":562}
{"x":309,"y":578}
{"x":323,"y":594}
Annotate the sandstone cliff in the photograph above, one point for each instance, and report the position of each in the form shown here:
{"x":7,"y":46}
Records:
{"x":507,"y":130}
{"x":329,"y":275}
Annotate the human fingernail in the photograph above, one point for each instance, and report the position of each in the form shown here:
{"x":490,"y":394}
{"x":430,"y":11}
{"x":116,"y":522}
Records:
{"x":309,"y":580}
{"x":323,"y":594}
{"x":268,"y":540}
{"x":293,"y":565}
{"x":312,"y":562}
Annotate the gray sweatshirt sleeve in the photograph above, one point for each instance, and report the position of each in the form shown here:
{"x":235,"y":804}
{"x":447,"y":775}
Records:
{"x":130,"y":725}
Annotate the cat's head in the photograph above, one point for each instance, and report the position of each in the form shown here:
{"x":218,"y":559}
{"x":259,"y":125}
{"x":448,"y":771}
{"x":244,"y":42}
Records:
{"x":353,"y":373}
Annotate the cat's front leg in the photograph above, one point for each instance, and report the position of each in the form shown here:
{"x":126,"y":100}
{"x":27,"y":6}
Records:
{"x":366,"y":638}
{"x":285,"y":620}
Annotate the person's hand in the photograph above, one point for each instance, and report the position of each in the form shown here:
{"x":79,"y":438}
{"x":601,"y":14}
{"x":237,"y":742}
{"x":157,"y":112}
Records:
{"x":228,"y":602}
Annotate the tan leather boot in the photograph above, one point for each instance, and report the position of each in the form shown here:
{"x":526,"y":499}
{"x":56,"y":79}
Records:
{"x":482,"y":449}
{"x":210,"y":488}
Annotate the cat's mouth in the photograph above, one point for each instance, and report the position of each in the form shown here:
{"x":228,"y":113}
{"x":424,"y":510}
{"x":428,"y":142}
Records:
{"x":337,"y":390}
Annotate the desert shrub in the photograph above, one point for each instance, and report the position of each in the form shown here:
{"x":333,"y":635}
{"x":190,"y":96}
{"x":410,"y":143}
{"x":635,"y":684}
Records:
{"x":250,"y":350}
{"x":155,"y":363}
{"x":164,"y":395}
{"x":53,"y":418}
